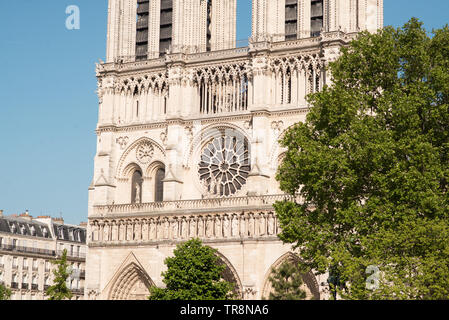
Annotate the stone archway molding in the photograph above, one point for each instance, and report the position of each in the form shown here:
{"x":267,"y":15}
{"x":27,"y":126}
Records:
{"x":310,"y":281}
{"x":231,"y":275}
{"x":130,"y":281}
{"x":125,"y":161}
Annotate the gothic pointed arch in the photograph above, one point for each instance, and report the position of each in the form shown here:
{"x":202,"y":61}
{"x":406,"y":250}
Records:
{"x":231,"y":275}
{"x":130,"y":281}
{"x":143,"y":151}
{"x":310,"y":285}
{"x":278,"y":152}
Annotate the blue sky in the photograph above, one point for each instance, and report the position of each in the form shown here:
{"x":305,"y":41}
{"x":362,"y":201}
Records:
{"x":48,"y":105}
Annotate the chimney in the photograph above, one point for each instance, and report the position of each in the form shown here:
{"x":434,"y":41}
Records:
{"x":83,"y":224}
{"x":26,"y":215}
{"x":58,"y":220}
{"x":1,"y":213}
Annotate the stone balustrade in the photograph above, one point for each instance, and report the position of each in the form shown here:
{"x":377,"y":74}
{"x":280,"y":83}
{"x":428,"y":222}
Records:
{"x":206,"y":204}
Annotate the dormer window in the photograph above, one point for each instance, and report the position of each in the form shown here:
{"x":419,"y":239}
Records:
{"x":13,"y":228}
{"x":77,"y":236}
{"x":61,"y":233}
{"x":44,"y":232}
{"x":22,"y":229}
{"x":33,"y":230}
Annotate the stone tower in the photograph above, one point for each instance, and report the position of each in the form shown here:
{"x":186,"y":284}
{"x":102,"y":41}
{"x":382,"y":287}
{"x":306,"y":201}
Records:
{"x":296,"y":19}
{"x":147,"y":29}
{"x":188,"y":131}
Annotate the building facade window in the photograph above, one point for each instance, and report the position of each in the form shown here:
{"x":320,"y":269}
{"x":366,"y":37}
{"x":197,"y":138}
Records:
{"x":136,"y":191}
{"x":291,"y":19}
{"x":159,"y":185}
{"x":316,"y":17}
{"x":61,"y":232}
{"x":142,"y":29}
{"x":166,"y":26}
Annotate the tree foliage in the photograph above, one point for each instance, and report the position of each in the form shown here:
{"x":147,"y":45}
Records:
{"x":194,"y":273}
{"x":372,"y":164}
{"x":5,"y":293}
{"x":286,"y":282}
{"x":59,"y":290}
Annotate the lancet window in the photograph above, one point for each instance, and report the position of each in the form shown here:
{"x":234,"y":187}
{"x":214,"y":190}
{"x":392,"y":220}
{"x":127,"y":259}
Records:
{"x":159,"y":185}
{"x":316,"y":17}
{"x":166,"y":26}
{"x":291,"y":19}
{"x":136,"y":187}
{"x":142,"y":29}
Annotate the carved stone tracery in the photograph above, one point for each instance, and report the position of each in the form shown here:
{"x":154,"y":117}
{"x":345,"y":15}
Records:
{"x":224,"y":166}
{"x":145,"y":152}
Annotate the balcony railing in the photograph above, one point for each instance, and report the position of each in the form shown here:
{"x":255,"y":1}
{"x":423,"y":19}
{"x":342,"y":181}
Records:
{"x":216,"y":203}
{"x":34,"y":287}
{"x":27,"y":250}
{"x":14,"y":285}
{"x":83,"y":274}
{"x":25,"y":286}
{"x":72,"y":254}
{"x":79,"y":291}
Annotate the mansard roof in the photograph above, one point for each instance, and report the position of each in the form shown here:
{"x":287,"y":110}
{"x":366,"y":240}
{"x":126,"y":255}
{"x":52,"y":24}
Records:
{"x":69,"y":233}
{"x":25,"y":227}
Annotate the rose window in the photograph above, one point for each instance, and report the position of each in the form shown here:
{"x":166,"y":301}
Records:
{"x":145,"y":152}
{"x":224,"y":166}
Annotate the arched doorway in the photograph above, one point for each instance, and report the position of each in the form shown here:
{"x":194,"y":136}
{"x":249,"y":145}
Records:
{"x":230,"y":275}
{"x":310,"y":285}
{"x":130,"y":282}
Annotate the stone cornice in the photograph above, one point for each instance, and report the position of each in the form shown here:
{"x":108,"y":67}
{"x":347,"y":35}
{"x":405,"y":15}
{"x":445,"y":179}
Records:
{"x":247,"y":115}
{"x":124,"y":244}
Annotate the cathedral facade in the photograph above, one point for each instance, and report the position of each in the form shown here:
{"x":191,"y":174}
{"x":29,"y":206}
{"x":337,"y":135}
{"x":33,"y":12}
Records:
{"x":188,"y":133}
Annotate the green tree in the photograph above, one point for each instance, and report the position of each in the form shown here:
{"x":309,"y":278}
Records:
{"x":194,"y":273}
{"x":5,"y":293}
{"x":286,"y":282}
{"x":371,"y":162}
{"x":59,"y":290}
